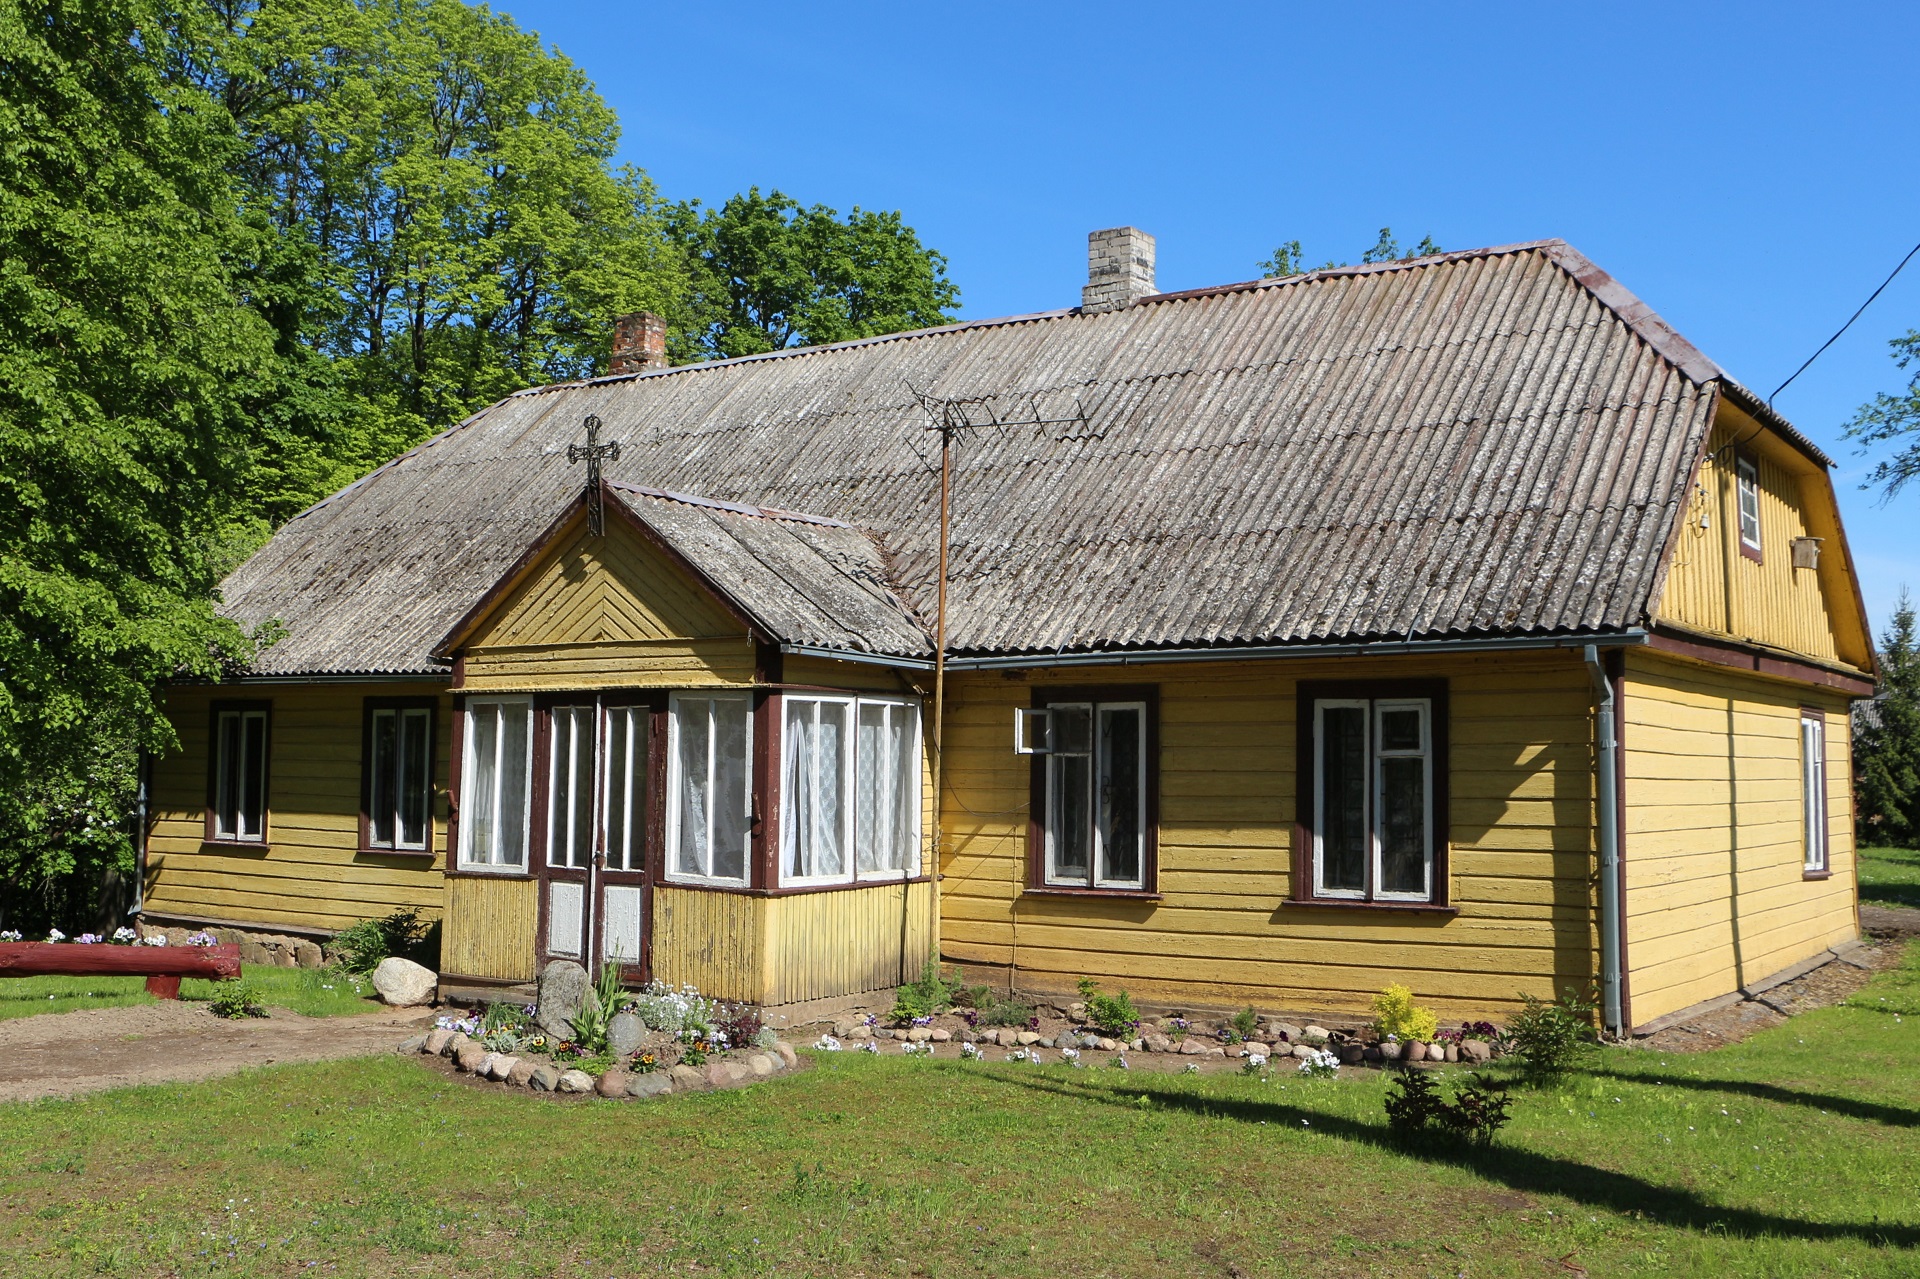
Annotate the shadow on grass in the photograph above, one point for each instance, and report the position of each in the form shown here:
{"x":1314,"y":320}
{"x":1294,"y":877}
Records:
{"x":1524,"y":1170}
{"x":1852,"y":1107}
{"x":1907,"y":895}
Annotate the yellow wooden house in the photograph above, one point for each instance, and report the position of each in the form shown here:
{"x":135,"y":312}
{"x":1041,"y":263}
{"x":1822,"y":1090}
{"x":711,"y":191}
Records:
{"x":1451,"y":622}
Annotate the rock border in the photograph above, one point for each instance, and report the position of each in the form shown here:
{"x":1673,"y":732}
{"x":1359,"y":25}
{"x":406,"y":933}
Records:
{"x":469,"y":1056}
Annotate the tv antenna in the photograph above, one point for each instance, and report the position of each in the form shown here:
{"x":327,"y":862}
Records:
{"x":948,"y":417}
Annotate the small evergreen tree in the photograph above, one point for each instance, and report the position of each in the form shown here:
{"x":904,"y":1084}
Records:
{"x":1886,"y":750}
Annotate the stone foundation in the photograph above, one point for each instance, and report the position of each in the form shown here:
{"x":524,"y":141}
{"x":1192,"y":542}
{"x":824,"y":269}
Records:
{"x":276,"y":950}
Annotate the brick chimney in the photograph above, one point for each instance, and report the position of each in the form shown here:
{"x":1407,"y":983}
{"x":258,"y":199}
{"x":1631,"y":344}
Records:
{"x":1119,"y":269}
{"x":639,"y":343}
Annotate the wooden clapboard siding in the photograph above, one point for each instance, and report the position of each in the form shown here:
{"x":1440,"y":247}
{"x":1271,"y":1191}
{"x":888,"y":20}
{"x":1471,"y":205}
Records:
{"x":827,"y":672}
{"x":310,"y":873}
{"x":847,"y":942}
{"x":1711,"y":587}
{"x":712,"y":940}
{"x":490,"y":927}
{"x":604,"y":613}
{"x":1224,"y":932}
{"x":1715,"y":892}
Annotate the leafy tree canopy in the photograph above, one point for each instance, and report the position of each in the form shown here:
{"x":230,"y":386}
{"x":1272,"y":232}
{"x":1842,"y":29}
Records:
{"x":1290,"y":259}
{"x":1891,"y":418}
{"x":125,"y":357}
{"x":769,"y":273}
{"x":1887,"y":747}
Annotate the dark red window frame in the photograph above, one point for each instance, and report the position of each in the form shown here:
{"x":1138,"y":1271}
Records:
{"x":209,"y":829}
{"x":1037,"y":794}
{"x":1309,"y":692}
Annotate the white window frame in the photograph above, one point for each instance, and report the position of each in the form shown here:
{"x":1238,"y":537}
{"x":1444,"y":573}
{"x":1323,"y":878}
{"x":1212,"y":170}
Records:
{"x":850,"y":766}
{"x":1815,"y":827}
{"x":399,"y":779}
{"x":625,"y":771}
{"x":1096,"y":850}
{"x":1746,"y":485}
{"x":563,"y":824}
{"x":467,"y":756}
{"x":1373,"y":802}
{"x":240,"y":834}
{"x":671,"y":853}
{"x":1380,"y":755}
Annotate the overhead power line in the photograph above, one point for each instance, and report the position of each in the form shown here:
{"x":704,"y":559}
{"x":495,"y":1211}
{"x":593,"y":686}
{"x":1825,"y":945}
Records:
{"x":1849,"y":324}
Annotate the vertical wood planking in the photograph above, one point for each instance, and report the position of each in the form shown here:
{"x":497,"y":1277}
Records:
{"x":711,"y":940}
{"x":489,"y":928}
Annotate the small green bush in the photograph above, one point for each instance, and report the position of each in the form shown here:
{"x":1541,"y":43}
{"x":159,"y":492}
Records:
{"x":598,"y":1009}
{"x":929,"y":996}
{"x":1244,"y":1023}
{"x":1003,"y":1012}
{"x":359,"y":948}
{"x":1478,"y":1111}
{"x":1112,"y":1015}
{"x":1395,"y":1013}
{"x":234,"y":999}
{"x":1547,"y":1038}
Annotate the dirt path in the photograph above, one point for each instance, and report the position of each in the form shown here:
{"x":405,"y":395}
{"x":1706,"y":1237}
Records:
{"x":63,"y":1054}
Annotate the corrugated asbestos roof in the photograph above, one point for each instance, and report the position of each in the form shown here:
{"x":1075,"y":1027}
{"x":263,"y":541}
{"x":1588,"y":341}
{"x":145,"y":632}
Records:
{"x":802,"y":579}
{"x":1481,"y":443}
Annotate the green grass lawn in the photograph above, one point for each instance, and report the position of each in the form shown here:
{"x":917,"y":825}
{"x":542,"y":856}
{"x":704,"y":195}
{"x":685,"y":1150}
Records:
{"x":1890,"y":876}
{"x":316,"y":992}
{"x":1796,"y":1153}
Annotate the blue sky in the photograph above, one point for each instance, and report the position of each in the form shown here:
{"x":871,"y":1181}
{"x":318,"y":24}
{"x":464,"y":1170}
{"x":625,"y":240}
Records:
{"x":1748,"y":170}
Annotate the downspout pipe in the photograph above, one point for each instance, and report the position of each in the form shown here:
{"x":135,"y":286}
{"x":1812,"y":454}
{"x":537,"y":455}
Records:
{"x":140,"y":809}
{"x":1607,"y":774}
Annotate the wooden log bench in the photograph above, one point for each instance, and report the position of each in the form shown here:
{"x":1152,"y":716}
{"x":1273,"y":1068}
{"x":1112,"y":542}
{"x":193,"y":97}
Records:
{"x":162,"y":966}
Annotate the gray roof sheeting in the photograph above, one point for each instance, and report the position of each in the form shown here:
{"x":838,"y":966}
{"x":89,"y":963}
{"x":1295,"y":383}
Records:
{"x":1494,"y":442}
{"x":802,"y":579}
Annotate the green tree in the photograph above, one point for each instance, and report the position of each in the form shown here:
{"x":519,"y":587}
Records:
{"x":769,"y":273}
{"x":1890,"y":417}
{"x":1289,"y":259}
{"x":124,"y":355}
{"x":1886,"y":750}
{"x":435,"y":223}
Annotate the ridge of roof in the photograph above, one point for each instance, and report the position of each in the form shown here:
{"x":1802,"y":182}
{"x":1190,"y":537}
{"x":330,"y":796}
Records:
{"x":732,"y":508}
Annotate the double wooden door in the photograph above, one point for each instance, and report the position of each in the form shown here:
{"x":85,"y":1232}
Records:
{"x":594,"y":755}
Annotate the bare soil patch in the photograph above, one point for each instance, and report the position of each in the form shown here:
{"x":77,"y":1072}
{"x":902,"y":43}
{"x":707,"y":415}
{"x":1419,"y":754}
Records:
{"x":64,"y":1054}
{"x":1828,"y":984}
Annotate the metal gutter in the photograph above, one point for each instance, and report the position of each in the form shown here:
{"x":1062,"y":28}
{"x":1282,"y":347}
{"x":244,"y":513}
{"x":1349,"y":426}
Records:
{"x":425,"y":677}
{"x":1606,"y":778}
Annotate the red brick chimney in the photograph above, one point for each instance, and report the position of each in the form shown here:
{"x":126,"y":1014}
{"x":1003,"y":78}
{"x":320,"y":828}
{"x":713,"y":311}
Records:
{"x":639,"y":343}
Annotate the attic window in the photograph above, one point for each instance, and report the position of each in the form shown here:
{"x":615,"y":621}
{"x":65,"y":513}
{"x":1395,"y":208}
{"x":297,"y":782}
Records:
{"x":1747,"y":482}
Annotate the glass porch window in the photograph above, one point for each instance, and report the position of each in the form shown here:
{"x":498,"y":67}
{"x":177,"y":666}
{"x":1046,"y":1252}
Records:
{"x":570,"y":786}
{"x":497,"y":766}
{"x":850,"y":789}
{"x":709,"y":788}
{"x":625,"y":804}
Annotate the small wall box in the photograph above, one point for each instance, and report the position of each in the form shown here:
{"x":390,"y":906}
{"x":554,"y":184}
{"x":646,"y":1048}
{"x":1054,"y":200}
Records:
{"x":1806,"y":552}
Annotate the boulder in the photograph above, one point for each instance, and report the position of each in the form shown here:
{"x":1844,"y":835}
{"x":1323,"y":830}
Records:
{"x":1026,"y":1039}
{"x":523,"y":1072}
{"x":1315,"y":1034}
{"x":1370,"y":1053}
{"x":788,"y":1057}
{"x":919,"y":1035}
{"x":1475,"y":1050}
{"x":862,"y":1031}
{"x":1157,"y":1044}
{"x":307,"y":955}
{"x":563,"y":991}
{"x":1286,"y":1030}
{"x":1108,"y":1045}
{"x":613,"y":1083}
{"x":716,"y":1074}
{"x":437,"y":1042}
{"x":485,"y":1068}
{"x":652,"y":1084}
{"x":1192,"y":1048}
{"x":403,"y":983}
{"x":1415,"y":1051}
{"x":624,"y":1033}
{"x":1453,"y":1052}
{"x":453,"y":1045}
{"x":417,"y":1044}
{"x":1390,"y":1049}
{"x":687,"y":1077}
{"x":939,"y":1036}
{"x":469,"y":1055}
{"x":1352,"y":1053}
{"x":737,"y":1073}
{"x":543,"y":1079}
{"x":760,"y":1064}
{"x":575,"y":1081}
{"x":1304,"y":1051}
{"x":504,"y":1064}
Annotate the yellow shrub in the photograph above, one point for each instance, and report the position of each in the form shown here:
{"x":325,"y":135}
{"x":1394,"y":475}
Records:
{"x":1395,"y":1013}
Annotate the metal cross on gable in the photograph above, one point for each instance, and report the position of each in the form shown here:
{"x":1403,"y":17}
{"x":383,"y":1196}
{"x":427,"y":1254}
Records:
{"x":591,"y":452}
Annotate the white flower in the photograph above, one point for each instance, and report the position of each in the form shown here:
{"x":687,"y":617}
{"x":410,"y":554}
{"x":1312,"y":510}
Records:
{"x":11,"y":934}
{"x":157,"y":939}
{"x":971,"y":1051}
{"x":1193,"y":1068}
{"x":125,"y":935}
{"x":1323,"y":1062}
{"x":54,"y":934}
{"x":826,"y":1044}
{"x":869,"y":1047}
{"x":1120,"y":1063}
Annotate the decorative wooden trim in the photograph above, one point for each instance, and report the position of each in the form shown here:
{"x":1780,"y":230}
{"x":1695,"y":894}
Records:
{"x":763,"y":832}
{"x":1106,"y":894}
{"x":1046,"y":695}
{"x":456,"y":760}
{"x":214,"y":710}
{"x":1306,"y":693}
{"x":462,"y":630}
{"x":1740,"y":656}
{"x":431,"y":705}
{"x":635,"y":521}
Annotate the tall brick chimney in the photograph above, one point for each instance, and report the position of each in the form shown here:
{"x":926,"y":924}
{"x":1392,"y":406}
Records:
{"x":1119,"y":269}
{"x":639,"y":343}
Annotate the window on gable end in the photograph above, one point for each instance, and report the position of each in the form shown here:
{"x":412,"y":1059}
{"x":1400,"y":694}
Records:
{"x":1746,"y":470}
